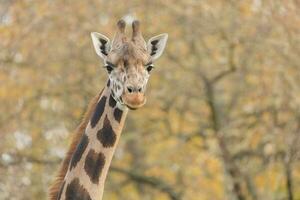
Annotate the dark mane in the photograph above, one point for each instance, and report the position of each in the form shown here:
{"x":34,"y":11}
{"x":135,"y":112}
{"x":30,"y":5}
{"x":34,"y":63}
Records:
{"x":56,"y":185}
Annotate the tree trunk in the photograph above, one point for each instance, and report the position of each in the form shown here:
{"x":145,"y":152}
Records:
{"x":288,"y":179}
{"x":230,"y":167}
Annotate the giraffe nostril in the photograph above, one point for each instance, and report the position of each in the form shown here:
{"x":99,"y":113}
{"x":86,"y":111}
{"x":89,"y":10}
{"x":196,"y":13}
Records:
{"x":130,"y":89}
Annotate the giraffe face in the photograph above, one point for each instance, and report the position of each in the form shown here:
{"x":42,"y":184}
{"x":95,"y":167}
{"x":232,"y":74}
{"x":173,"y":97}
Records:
{"x":129,"y":70}
{"x":129,"y":63}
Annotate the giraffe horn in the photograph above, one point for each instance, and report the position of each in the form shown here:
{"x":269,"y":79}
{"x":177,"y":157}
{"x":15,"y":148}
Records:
{"x":121,"y":26}
{"x":135,"y":29}
{"x":137,"y":36}
{"x":120,"y":36}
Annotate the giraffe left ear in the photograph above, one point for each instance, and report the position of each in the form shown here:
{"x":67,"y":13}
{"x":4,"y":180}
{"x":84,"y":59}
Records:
{"x":101,"y":44}
{"x":156,"y":45}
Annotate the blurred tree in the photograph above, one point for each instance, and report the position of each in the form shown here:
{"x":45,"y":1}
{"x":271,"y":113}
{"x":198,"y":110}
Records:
{"x":223,"y":114}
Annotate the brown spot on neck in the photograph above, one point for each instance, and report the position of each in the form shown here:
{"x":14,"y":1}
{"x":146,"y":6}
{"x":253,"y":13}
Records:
{"x":93,"y":165}
{"x":77,"y":135}
{"x":106,"y":134}
{"x":75,"y":191}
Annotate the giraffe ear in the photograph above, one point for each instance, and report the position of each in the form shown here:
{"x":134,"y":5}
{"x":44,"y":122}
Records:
{"x":156,"y":45}
{"x":101,"y":44}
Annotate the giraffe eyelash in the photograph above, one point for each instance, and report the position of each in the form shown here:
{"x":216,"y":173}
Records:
{"x":110,"y":64}
{"x":149,"y":63}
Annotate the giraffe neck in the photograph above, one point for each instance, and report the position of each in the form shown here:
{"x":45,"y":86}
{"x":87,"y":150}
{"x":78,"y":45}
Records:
{"x":90,"y":162}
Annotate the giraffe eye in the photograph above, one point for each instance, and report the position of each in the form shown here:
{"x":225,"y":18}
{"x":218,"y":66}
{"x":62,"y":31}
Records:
{"x":109,"y":68}
{"x":149,"y":67}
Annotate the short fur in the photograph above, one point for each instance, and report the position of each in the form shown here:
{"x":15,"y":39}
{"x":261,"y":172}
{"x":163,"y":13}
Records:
{"x":56,"y":185}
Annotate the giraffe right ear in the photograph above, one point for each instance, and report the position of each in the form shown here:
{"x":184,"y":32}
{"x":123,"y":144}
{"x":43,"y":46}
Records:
{"x":156,"y":45}
{"x":101,"y":44}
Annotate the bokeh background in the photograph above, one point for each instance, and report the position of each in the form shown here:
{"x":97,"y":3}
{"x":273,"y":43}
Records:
{"x":222,"y":121}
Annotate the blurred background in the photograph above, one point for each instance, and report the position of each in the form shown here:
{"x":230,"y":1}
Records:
{"x":222,"y":121}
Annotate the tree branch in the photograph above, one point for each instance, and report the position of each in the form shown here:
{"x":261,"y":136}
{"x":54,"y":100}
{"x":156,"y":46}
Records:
{"x":231,"y":64}
{"x":139,"y":178}
{"x":151,"y":181}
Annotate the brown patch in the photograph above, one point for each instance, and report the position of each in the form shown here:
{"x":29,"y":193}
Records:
{"x":58,"y":181}
{"x":75,"y":191}
{"x":93,"y":165}
{"x":106,"y":135}
{"x":112,"y":102}
{"x":79,"y":151}
{"x":98,"y":111}
{"x":118,"y":114}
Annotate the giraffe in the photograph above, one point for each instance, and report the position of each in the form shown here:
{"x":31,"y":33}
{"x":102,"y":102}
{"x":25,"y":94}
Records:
{"x":128,"y":62}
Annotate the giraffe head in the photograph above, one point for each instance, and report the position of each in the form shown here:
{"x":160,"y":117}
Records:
{"x":129,"y":62}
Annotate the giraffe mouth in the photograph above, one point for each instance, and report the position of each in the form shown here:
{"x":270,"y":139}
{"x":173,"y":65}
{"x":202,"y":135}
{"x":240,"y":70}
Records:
{"x":134,"y":101}
{"x":131,"y":108}
{"x":135,"y":106}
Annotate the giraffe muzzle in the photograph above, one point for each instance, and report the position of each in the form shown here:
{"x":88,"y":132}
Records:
{"x":134,"y":100}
